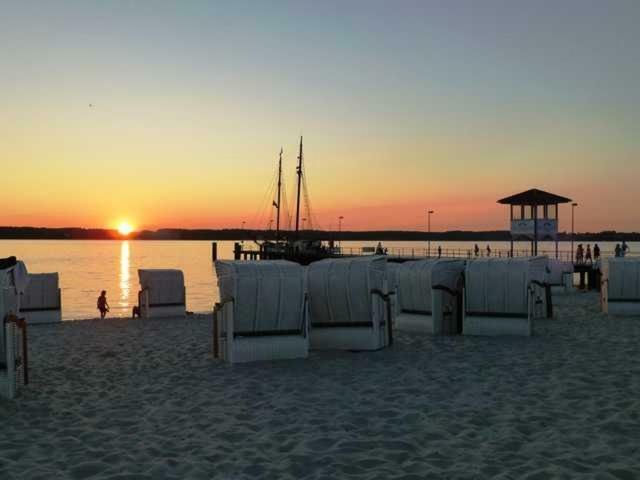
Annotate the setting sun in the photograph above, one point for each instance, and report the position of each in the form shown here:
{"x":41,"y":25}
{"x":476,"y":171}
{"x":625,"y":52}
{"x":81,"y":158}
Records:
{"x":125,"y":228}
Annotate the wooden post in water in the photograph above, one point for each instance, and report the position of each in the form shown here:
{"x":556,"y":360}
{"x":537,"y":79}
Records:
{"x":214,"y":251}
{"x":237,"y":251}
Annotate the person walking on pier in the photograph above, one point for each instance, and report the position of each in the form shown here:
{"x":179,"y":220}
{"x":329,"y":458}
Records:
{"x":488,"y":251}
{"x":476,"y":249}
{"x":579,"y":254}
{"x":587,"y":255}
{"x":596,"y":252}
{"x":624,"y":248}
{"x":439,"y":251}
{"x":618,"y":250}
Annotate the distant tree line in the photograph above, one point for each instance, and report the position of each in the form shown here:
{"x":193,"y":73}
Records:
{"x":25,"y":233}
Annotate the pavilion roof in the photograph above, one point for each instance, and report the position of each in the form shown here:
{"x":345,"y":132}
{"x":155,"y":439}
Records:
{"x":534,"y":197}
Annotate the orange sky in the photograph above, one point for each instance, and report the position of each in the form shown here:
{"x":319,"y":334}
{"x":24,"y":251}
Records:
{"x":175,"y":119}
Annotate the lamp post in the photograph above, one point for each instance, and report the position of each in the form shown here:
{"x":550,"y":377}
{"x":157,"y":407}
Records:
{"x":573,"y":207}
{"x":429,"y":229}
{"x":340,"y":230}
{"x":242,"y":240}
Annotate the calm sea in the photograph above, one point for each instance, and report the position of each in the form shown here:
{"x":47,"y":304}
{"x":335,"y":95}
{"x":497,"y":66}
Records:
{"x":88,"y":266}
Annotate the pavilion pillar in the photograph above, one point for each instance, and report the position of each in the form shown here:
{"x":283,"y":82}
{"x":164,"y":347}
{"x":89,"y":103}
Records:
{"x":535,"y":230}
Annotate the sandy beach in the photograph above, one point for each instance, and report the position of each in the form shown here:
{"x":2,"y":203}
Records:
{"x":143,"y":399}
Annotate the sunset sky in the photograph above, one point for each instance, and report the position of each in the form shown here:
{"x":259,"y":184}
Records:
{"x":172,"y":114}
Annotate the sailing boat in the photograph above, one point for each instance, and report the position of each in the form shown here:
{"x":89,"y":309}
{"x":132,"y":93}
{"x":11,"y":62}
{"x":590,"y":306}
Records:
{"x":303,"y":251}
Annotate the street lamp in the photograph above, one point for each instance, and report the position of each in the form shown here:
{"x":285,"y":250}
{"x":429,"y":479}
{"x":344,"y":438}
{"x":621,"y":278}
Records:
{"x":429,"y":237}
{"x":242,"y":240}
{"x":573,"y":207}
{"x":340,"y":218}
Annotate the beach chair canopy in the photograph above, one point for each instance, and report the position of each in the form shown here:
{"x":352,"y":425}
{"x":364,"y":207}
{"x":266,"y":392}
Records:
{"x":556,"y":269}
{"x":165,"y":287}
{"x":42,"y":292}
{"x":268,"y":296}
{"x":417,"y":278}
{"x":500,"y":285}
{"x":340,"y":289}
{"x":623,"y":278}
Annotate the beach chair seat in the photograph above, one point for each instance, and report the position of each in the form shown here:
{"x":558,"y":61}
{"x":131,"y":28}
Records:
{"x":13,"y":351}
{"x":429,"y":296}
{"x":504,"y":296}
{"x":162,"y":293}
{"x":349,"y":304}
{"x":262,"y":313}
{"x":42,"y":301}
{"x":620,"y":292}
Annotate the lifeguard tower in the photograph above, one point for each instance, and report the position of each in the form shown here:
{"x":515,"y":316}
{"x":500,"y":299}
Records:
{"x":534,"y":216}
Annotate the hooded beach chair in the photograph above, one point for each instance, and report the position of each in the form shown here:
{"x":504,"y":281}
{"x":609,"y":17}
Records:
{"x":620,"y":292}
{"x":349,"y":304}
{"x":503,"y":296}
{"x":41,"y":302}
{"x":13,"y":351}
{"x":429,"y":296}
{"x":262,"y":313}
{"x":162,"y":293}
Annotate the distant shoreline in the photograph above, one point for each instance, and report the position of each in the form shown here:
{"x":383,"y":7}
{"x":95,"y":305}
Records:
{"x":37,"y":233}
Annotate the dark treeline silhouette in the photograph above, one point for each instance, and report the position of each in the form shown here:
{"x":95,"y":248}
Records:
{"x":25,"y":233}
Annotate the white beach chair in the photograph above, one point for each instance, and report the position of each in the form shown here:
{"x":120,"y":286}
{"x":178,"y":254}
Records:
{"x":560,"y":276}
{"x":41,"y":302}
{"x":620,"y":292}
{"x":162,"y":294}
{"x":13,"y":352}
{"x":263,"y":313}
{"x":503,"y":296}
{"x":349,"y":304}
{"x":429,"y":296}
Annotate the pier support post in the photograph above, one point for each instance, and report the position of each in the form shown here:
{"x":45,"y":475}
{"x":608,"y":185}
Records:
{"x":237,"y":251}
{"x":214,"y":251}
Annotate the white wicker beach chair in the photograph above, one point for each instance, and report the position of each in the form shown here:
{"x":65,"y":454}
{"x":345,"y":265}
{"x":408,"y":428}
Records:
{"x":13,"y":352}
{"x":162,"y":293}
{"x":620,"y":292}
{"x":503,"y":296}
{"x":41,"y":302}
{"x":262,"y":313}
{"x":349,"y":304}
{"x":429,"y":296}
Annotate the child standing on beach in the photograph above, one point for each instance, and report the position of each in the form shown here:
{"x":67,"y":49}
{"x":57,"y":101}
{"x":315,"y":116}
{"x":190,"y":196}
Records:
{"x":103,"y":306}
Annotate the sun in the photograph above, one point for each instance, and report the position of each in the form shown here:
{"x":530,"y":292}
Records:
{"x":125,"y":228}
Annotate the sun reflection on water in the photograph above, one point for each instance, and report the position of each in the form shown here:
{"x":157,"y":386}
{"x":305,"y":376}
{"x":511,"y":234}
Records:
{"x":125,"y":281}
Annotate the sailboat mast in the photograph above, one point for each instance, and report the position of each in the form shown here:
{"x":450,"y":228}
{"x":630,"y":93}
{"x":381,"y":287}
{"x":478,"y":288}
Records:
{"x":299,"y":172}
{"x":278,"y":202}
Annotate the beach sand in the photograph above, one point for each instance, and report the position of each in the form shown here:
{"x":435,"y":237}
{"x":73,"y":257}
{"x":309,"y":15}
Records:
{"x":139,"y":399}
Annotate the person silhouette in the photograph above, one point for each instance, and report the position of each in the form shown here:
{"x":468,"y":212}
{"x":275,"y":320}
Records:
{"x":596,"y":252}
{"x":476,"y":249}
{"x":624,"y":248}
{"x":587,"y":255}
{"x":102,"y":304}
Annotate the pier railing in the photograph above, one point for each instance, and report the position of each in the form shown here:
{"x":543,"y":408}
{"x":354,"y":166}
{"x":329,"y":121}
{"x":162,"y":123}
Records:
{"x":466,"y":253}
